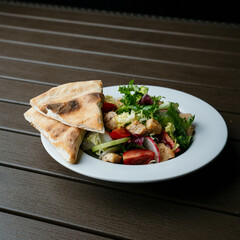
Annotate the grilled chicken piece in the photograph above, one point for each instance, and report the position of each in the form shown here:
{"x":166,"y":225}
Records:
{"x":137,"y":128}
{"x":110,"y":121}
{"x":165,"y":152}
{"x":185,"y":115}
{"x":153,"y":126}
{"x":112,"y":157}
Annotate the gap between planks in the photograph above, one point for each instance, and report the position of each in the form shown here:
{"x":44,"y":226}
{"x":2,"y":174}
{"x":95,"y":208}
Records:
{"x":104,"y":72}
{"x":139,"y":29}
{"x":115,"y":40}
{"x":99,"y":184}
{"x":113,"y":55}
{"x":102,"y":185}
{"x":61,"y":224}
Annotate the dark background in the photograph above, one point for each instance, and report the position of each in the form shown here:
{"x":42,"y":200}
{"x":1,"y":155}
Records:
{"x":217,"y":11}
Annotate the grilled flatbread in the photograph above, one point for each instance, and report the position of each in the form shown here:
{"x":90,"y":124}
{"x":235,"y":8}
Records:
{"x":66,"y":139}
{"x":76,"y":104}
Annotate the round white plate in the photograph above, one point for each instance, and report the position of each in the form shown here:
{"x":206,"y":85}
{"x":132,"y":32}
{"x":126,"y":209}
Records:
{"x":209,"y":139}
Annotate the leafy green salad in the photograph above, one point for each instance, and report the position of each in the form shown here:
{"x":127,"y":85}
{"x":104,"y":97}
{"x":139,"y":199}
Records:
{"x":140,"y":129}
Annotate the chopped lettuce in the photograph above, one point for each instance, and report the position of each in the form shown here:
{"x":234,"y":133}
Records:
{"x":93,"y":138}
{"x":125,"y":117}
{"x":109,"y":99}
{"x":171,"y":116}
{"x":170,"y":129}
{"x":143,"y":90}
{"x":132,"y":94}
{"x":90,"y":140}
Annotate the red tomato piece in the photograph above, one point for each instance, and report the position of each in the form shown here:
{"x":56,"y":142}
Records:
{"x":107,"y":107}
{"x":138,"y":156}
{"x":120,"y":133}
{"x":170,"y":142}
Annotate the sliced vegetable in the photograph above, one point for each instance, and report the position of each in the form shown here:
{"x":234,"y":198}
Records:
{"x":152,"y":146}
{"x":107,"y":107}
{"x":137,"y":139}
{"x":138,"y":156}
{"x":110,"y":144}
{"x":120,"y":133}
{"x":109,"y":150}
{"x":93,"y":139}
{"x":168,"y":141}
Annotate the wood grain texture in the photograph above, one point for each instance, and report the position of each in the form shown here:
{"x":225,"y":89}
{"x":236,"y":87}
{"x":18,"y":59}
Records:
{"x":124,"y":50}
{"x":57,"y":74}
{"x":193,"y":190}
{"x":84,"y":61}
{"x":180,"y":27}
{"x":134,"y":36}
{"x":101,"y":209}
{"x":14,"y":227}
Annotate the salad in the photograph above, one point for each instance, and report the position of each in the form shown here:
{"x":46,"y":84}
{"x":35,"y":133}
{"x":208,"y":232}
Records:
{"x":140,"y":129}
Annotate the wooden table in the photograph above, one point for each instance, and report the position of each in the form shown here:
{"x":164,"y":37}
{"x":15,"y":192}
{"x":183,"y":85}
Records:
{"x":43,"y":46}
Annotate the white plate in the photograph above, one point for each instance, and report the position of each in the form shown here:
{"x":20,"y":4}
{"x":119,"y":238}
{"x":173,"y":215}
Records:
{"x":209,"y":139}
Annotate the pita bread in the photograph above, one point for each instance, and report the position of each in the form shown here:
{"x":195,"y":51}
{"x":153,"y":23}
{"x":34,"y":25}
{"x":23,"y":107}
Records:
{"x":66,"y":139}
{"x":76,"y":104}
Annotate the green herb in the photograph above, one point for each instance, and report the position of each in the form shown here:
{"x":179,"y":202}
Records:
{"x":132,"y":94}
{"x":181,"y":126}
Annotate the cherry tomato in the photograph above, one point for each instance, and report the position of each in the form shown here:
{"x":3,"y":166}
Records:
{"x":107,"y":107}
{"x":138,"y":156}
{"x":120,"y":133}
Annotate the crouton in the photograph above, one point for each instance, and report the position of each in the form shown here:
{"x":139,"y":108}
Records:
{"x":153,"y":126}
{"x":110,"y":121}
{"x":137,"y":128}
{"x":112,"y":157}
{"x":165,"y":152}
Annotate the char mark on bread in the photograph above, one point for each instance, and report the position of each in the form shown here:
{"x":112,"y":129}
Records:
{"x":62,"y":108}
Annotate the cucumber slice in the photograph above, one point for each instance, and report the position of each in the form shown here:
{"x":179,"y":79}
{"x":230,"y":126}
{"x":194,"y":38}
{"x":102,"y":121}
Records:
{"x":109,"y":150}
{"x":110,"y":144}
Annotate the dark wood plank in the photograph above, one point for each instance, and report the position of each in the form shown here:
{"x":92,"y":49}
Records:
{"x":12,"y":117}
{"x":206,"y":188}
{"x":14,"y":227}
{"x":123,"y":50}
{"x":169,"y":25}
{"x":172,"y":72}
{"x":50,"y":74}
{"x":132,"y":36}
{"x":101,"y":209}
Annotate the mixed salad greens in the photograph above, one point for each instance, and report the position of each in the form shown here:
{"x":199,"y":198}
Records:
{"x":140,"y":129}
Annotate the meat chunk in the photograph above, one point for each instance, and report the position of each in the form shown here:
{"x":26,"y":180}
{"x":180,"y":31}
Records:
{"x":110,"y":121}
{"x":112,"y":157}
{"x":185,"y":115}
{"x":153,"y":126}
{"x":137,"y":128}
{"x":190,"y":131}
{"x":119,"y":103}
{"x":165,"y":152}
